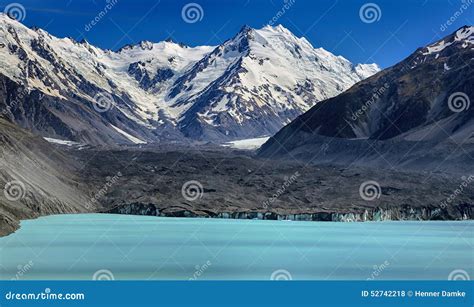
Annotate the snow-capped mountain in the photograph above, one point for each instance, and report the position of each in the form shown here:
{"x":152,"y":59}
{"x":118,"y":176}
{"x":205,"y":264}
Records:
{"x":418,"y":110}
{"x":249,"y":86}
{"x":258,"y":81}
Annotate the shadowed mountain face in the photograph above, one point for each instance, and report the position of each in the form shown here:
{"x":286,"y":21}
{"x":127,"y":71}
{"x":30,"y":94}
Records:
{"x":416,"y":109}
{"x":35,"y":179}
{"x":251,"y":85}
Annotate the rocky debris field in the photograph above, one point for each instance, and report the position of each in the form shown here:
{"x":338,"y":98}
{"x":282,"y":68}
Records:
{"x":214,"y":182}
{"x":232,"y":184}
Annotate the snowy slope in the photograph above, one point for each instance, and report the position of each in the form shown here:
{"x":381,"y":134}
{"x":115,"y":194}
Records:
{"x":257,"y":82}
{"x":251,"y":85}
{"x":107,"y":70}
{"x":247,"y":144}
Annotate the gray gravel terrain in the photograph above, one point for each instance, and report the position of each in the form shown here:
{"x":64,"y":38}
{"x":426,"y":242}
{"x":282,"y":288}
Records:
{"x":209,"y":181}
{"x":232,"y":184}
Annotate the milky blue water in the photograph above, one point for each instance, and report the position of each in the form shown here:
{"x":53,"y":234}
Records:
{"x":141,"y":247}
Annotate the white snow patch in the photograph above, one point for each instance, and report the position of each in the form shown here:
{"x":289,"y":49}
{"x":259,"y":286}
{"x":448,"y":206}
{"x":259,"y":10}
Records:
{"x":247,"y":144}
{"x":61,"y":142}
{"x":128,"y":136}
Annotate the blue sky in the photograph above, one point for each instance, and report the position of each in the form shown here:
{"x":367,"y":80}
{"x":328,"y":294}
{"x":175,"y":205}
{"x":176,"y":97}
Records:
{"x":398,"y":29}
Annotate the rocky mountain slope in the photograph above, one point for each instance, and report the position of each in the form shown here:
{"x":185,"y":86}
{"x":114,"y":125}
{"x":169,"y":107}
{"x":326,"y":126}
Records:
{"x":35,"y":179}
{"x":249,"y":86}
{"x":416,"y":113}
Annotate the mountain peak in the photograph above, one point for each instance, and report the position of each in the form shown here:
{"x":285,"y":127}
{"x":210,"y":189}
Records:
{"x":144,"y":45}
{"x":245,"y":32}
{"x":245,"y":29}
{"x":172,"y":41}
{"x":466,"y":27}
{"x":148,"y":45}
{"x":278,"y":28}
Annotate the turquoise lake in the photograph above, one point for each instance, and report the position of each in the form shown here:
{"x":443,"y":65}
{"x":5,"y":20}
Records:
{"x":100,"y":246}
